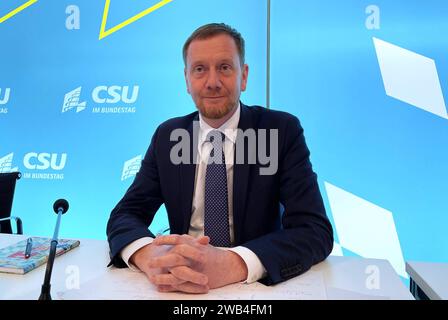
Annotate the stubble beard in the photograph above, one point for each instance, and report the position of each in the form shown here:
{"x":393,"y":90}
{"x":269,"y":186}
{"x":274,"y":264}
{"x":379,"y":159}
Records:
{"x":215,"y":112}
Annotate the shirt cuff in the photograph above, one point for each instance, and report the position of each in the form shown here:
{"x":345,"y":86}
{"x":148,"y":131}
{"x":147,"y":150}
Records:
{"x":255,"y":269}
{"x":131,"y":248}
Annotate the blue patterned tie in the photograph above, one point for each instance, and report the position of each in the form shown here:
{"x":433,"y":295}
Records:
{"x":216,"y":209}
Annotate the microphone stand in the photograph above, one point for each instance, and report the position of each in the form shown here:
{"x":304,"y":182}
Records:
{"x":46,"y":286}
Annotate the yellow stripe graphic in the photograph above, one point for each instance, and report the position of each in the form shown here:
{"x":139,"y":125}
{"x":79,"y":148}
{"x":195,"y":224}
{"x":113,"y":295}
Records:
{"x":104,"y":33}
{"x":17,"y":10}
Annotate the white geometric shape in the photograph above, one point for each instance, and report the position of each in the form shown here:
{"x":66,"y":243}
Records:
{"x":81,"y":107}
{"x":131,"y":167}
{"x":410,"y":77}
{"x":6,"y":164}
{"x":337,"y":250}
{"x":71,"y":100}
{"x":365,"y":228}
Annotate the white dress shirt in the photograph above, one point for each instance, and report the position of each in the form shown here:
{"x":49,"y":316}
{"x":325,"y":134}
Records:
{"x":255,"y":269}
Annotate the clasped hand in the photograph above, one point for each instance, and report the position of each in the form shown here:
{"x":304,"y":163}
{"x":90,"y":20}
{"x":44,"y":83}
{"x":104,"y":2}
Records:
{"x":186,"y":264}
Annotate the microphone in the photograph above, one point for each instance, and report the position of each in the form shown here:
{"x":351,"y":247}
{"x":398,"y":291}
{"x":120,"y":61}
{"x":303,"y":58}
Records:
{"x":60,"y":207}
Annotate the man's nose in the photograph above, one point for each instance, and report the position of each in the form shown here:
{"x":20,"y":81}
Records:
{"x":213,"y":80}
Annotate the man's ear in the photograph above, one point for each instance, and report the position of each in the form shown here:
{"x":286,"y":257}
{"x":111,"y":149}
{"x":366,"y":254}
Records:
{"x":186,"y":80}
{"x":244,"y":76}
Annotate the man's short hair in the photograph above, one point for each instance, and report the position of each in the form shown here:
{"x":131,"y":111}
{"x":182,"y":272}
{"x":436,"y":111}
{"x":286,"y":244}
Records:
{"x":214,"y":29}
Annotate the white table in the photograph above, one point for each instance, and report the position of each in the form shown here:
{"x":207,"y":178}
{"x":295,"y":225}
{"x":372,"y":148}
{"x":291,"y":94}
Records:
{"x":344,"y":277}
{"x":429,"y":277}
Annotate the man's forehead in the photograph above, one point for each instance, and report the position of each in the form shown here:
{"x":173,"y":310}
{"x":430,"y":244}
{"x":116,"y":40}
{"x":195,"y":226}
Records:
{"x":221,"y":42}
{"x":217,"y":47}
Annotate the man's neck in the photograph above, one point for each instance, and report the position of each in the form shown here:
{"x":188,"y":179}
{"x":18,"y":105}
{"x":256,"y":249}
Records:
{"x":216,"y":123}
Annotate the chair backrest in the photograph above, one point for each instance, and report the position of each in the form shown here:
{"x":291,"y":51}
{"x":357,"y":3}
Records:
{"x":7,"y":187}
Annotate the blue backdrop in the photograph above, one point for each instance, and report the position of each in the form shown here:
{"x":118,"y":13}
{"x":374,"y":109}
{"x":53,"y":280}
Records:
{"x":79,"y":102}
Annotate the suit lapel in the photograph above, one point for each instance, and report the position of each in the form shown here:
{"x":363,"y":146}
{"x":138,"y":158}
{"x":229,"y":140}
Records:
{"x":241,"y":179}
{"x":187,"y":175}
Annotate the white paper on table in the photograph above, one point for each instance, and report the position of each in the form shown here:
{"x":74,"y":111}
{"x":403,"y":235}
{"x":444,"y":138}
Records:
{"x":124,"y":284}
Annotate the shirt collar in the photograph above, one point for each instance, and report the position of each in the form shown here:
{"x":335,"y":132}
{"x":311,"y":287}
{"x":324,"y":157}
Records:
{"x":228,"y":128}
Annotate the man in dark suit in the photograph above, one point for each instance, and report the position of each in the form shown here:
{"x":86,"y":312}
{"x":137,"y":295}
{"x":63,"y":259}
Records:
{"x":242,"y":199}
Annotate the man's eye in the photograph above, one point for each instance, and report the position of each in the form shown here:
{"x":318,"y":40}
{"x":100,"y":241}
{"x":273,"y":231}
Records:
{"x":226,"y":69}
{"x":199,"y":69}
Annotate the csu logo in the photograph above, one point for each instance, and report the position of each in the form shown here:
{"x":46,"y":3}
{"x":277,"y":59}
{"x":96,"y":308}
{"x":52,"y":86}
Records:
{"x":72,"y":101}
{"x":131,"y":167}
{"x":44,"y":161}
{"x":106,"y":99}
{"x":6,"y":164}
{"x":5,"y":93}
{"x":115,"y":94}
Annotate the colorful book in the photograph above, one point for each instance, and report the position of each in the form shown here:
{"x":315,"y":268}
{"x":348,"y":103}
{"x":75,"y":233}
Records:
{"x":12,"y":257}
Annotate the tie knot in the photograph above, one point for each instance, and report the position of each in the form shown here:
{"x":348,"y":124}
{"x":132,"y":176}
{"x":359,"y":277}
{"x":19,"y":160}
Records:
{"x":215,"y":136}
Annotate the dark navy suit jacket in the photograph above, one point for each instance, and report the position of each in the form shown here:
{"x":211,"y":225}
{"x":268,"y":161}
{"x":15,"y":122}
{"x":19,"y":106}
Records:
{"x":280,"y":217}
